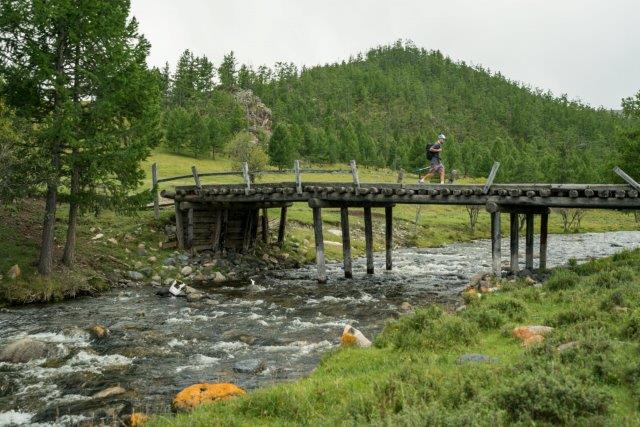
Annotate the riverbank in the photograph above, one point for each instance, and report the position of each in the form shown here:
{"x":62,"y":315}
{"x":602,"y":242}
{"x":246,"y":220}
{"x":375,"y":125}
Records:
{"x":472,"y":367}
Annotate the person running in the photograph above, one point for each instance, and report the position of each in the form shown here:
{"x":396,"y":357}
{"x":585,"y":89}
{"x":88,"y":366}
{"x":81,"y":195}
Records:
{"x":433,"y":155}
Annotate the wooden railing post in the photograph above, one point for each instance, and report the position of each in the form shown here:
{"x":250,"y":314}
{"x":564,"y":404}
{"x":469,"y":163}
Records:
{"x":354,"y":174}
{"x":492,"y":176}
{"x":296,"y":169}
{"x":622,"y":174}
{"x":247,"y":178}
{"x":154,"y":190}
{"x":196,"y":177}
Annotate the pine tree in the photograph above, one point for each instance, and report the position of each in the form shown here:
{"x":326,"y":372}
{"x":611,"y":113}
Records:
{"x":227,"y":72}
{"x":281,"y":149}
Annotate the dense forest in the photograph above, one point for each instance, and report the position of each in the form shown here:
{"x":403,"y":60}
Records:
{"x":382,"y":108}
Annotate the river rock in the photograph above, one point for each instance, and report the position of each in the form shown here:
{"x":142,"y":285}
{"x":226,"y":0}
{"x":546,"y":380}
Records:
{"x":24,"y":350}
{"x":406,"y":306}
{"x":198,"y":394}
{"x":169,"y":261}
{"x":353,"y":337}
{"x":142,"y":249}
{"x":14,"y":272}
{"x":108,"y":392}
{"x":156,"y":278}
{"x":218,"y":277}
{"x":249,"y":366}
{"x":476,"y":358}
{"x":152,"y":259}
{"x":137,"y":419}
{"x":98,"y":331}
{"x":135,"y":275}
{"x":195,"y":297}
{"x":147,"y":271}
{"x":186,"y":270}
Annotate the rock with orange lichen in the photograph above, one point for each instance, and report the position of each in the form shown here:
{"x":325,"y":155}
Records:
{"x":524,"y":332}
{"x":533,"y":340}
{"x":199,"y":394}
{"x":353,"y":337}
{"x":137,"y":419}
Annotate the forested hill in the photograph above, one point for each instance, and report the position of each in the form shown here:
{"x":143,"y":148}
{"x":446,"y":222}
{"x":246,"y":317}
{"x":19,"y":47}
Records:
{"x":382,"y":107}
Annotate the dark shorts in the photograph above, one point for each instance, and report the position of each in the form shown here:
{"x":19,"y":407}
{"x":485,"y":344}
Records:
{"x":435,"y":165}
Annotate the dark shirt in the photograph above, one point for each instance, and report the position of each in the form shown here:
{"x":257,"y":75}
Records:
{"x":435,"y":154}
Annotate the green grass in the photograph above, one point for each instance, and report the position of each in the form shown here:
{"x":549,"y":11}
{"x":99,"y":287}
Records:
{"x":411,"y":376}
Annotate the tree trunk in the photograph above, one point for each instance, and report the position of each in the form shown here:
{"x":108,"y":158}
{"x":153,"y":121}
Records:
{"x":45,"y":262}
{"x":70,"y":246}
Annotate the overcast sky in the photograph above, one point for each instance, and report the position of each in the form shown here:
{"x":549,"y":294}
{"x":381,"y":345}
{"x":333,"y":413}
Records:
{"x":588,"y":49}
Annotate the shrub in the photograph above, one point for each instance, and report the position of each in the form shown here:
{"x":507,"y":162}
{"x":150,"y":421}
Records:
{"x":631,"y":327}
{"x":427,"y":329}
{"x":513,"y":309}
{"x":552,"y":397}
{"x":484,"y":318}
{"x":563,"y":279}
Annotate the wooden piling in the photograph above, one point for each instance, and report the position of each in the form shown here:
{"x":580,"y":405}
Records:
{"x":496,"y":249}
{"x":154,"y":190}
{"x":179,"y":225}
{"x":544,"y":230}
{"x":514,"y":235}
{"x":346,"y":242}
{"x":190,"y":228}
{"x":388,"y":216}
{"x":217,"y":232}
{"x":265,"y":225}
{"x":368,"y":238}
{"x":317,"y":230}
{"x":529,"y":242}
{"x":283,"y":224}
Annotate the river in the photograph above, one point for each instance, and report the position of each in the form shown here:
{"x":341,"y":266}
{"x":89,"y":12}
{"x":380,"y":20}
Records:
{"x":157,"y":346}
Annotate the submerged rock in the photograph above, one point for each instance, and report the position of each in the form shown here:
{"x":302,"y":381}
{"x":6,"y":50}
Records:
{"x":137,"y":419}
{"x":198,"y":394}
{"x":353,"y":337}
{"x":249,"y":366}
{"x":24,"y":350}
{"x":218,"y":277}
{"x":98,"y":331}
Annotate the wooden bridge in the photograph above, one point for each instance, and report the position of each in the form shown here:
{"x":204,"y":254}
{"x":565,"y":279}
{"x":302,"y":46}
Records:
{"x":217,"y":217}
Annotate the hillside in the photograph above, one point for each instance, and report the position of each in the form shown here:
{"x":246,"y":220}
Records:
{"x":382,"y":107}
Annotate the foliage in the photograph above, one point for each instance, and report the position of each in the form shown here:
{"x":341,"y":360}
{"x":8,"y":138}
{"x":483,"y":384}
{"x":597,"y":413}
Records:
{"x":243,"y":148}
{"x":281,"y":149}
{"x":383,"y":107}
{"x":198,"y":118}
{"x":629,"y":135}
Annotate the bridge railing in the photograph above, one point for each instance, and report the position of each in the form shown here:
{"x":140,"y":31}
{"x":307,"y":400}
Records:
{"x":247,"y":175}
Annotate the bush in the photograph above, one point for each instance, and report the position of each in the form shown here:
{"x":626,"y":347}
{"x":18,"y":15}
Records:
{"x":484,"y":318}
{"x":563,"y":279}
{"x":513,"y":309}
{"x":551,"y":397}
{"x":631,"y":327}
{"x":427,"y":329}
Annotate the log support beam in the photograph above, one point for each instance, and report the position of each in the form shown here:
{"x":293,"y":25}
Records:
{"x":282,"y":227}
{"x":496,"y":240}
{"x":368,"y":238}
{"x":346,"y":242}
{"x":317,"y":230}
{"x":514,"y":237}
{"x":388,"y":216}
{"x":265,"y":225}
{"x":544,"y":232}
{"x":529,"y":241}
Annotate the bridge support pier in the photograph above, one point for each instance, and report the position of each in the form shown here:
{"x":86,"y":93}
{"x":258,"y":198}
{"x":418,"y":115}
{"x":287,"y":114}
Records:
{"x":282,"y":227}
{"x":514,"y":239}
{"x":368,"y":238}
{"x":529,"y":241}
{"x":544,"y":231}
{"x":317,"y":230}
{"x":496,"y":242}
{"x":346,"y":242}
{"x":265,"y":225}
{"x":388,"y":231}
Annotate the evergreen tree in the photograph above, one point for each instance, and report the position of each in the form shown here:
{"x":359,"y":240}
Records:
{"x":78,"y":69}
{"x":281,"y":147}
{"x":629,"y":135}
{"x":227,"y":72}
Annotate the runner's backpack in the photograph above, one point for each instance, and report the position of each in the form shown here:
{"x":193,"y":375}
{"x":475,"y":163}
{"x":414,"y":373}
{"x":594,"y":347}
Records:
{"x":429,"y":152}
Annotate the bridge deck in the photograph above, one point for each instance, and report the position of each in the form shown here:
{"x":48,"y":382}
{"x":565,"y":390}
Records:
{"x":321,"y":194}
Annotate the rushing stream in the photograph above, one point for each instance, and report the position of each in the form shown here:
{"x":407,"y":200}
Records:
{"x":157,"y":346}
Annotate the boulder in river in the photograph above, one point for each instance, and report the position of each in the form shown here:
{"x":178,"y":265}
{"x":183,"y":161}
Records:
{"x":198,"y":394}
{"x":353,"y":337}
{"x":24,"y":350}
{"x":186,"y":270}
{"x":98,"y":331}
{"x":249,"y":366}
{"x":108,"y":392}
{"x":135,"y":275}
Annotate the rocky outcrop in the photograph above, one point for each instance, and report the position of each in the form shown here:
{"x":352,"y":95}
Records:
{"x":199,"y":394}
{"x":257,"y":113}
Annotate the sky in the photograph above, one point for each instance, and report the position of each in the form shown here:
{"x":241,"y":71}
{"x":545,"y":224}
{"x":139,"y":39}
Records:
{"x":587,"y":49}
